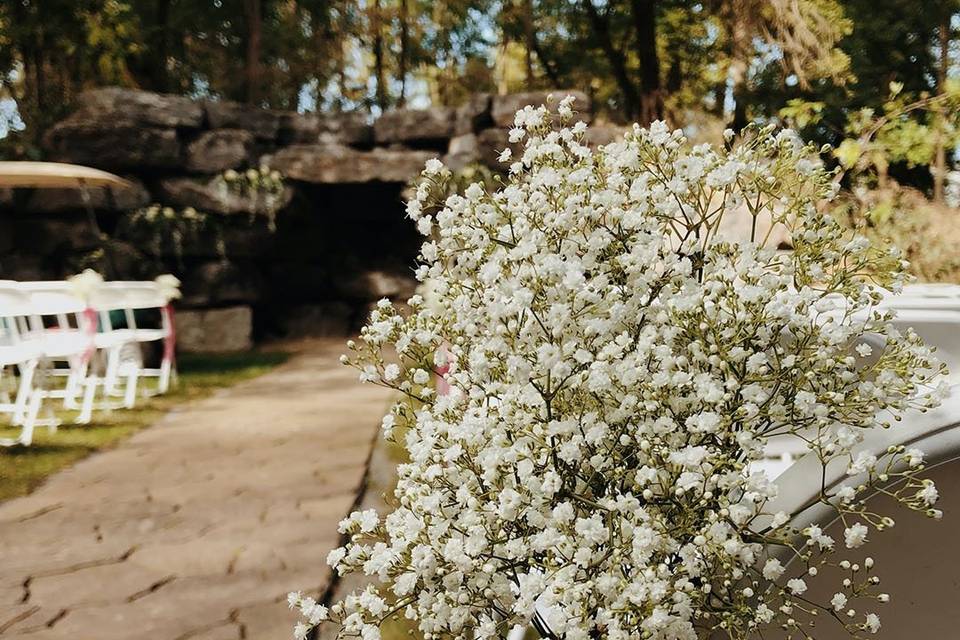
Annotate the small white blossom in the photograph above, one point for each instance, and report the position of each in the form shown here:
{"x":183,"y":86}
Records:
{"x":928,"y":494}
{"x":914,"y":457}
{"x":391,"y":372}
{"x":796,"y":586}
{"x":855,"y":535}
{"x":772,"y":569}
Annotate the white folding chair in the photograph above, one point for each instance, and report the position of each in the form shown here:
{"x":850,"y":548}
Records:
{"x":129,"y":298}
{"x":151,"y":296}
{"x":64,"y":327}
{"x":22,"y":356}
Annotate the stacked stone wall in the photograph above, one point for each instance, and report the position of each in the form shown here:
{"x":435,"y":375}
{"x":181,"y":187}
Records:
{"x":339,"y":241}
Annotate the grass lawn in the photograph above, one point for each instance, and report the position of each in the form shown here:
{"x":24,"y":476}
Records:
{"x":22,"y":469}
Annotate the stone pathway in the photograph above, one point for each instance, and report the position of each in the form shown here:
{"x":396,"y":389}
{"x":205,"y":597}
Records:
{"x":197,"y":527}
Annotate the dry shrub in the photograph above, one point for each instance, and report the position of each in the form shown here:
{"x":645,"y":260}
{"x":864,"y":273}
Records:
{"x":927,"y":233}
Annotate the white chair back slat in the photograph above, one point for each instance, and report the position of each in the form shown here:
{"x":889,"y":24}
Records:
{"x":14,"y":307}
{"x":105,"y":298}
{"x":53,"y":298}
{"x":13,"y":303}
{"x":138,"y":295}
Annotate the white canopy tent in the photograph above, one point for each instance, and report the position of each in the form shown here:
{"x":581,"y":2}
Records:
{"x":56,"y":175}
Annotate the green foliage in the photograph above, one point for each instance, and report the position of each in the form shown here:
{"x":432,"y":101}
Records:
{"x":802,"y":113}
{"x":890,"y":41}
{"x":335,"y":54}
{"x":51,"y":50}
{"x":905,"y":130}
{"x":925,"y":232}
{"x":638,"y":58}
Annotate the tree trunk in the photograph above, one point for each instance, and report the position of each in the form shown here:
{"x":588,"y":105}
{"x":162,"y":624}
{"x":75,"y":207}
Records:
{"x":160,"y":48}
{"x":601,"y":28}
{"x":252,"y":11}
{"x":404,"y":52}
{"x":341,"y":85}
{"x":376,"y":25}
{"x":548,"y":66}
{"x":719,"y":98}
{"x":651,"y":93}
{"x":42,"y":111}
{"x":526,"y":13}
{"x":503,"y":87}
{"x":739,"y":63}
{"x":940,"y":156}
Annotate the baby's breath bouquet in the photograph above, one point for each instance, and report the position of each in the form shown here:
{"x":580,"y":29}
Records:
{"x":164,"y":226}
{"x":611,"y":369}
{"x":263,"y":185}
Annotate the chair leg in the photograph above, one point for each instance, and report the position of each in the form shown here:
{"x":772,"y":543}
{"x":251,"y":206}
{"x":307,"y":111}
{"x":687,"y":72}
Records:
{"x":4,"y":394}
{"x":33,"y":410}
{"x":89,"y":391}
{"x":130,"y":393}
{"x":163,"y":382}
{"x":27,"y":371}
{"x":112,"y":373}
{"x":78,"y":372}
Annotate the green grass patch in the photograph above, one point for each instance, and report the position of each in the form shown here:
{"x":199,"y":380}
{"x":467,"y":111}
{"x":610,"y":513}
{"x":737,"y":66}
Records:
{"x":22,"y":469}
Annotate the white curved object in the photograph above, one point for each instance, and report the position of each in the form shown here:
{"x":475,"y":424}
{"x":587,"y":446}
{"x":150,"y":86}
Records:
{"x":933,"y":312}
{"x":56,"y":175}
{"x":914,"y":558}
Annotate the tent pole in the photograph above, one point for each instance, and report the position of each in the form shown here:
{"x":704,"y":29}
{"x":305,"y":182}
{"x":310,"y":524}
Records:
{"x":101,"y":236}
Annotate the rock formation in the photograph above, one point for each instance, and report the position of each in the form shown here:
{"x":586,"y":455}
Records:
{"x":340,"y":242}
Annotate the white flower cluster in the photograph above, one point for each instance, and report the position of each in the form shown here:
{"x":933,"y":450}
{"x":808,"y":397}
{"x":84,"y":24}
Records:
{"x":610,"y":370}
{"x":166,"y":224}
{"x":263,"y":185}
{"x":262,"y":179}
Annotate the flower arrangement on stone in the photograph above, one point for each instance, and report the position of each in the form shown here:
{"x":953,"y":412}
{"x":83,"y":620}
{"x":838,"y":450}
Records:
{"x":263,"y":179}
{"x":168,"y":226}
{"x":263,"y":185}
{"x":614,"y":368}
{"x":174,"y":227}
